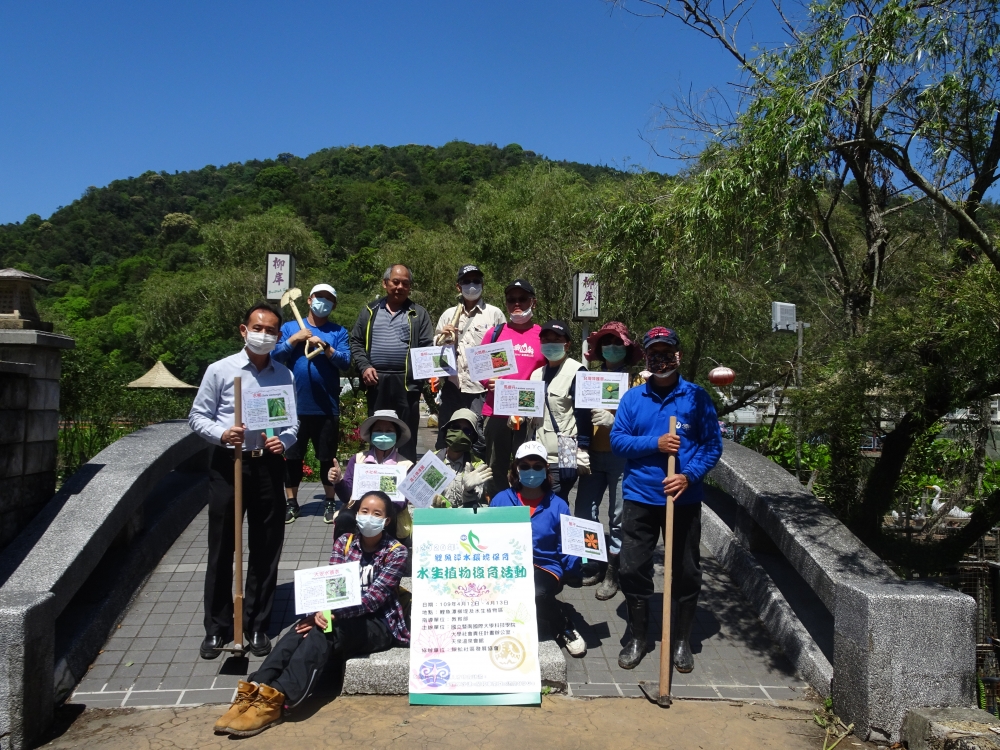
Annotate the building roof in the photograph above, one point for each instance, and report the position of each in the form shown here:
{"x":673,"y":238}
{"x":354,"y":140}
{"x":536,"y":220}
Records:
{"x":13,"y":273}
{"x":159,"y":377}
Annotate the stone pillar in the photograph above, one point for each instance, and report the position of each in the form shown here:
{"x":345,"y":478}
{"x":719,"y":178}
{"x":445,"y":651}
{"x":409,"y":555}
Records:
{"x":30,"y":365}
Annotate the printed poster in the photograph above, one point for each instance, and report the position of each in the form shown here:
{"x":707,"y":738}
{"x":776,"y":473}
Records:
{"x":523,"y":398}
{"x":432,"y":362}
{"x":328,"y":587}
{"x":429,"y":477}
{"x":381,"y":477}
{"x":474,"y":637}
{"x":583,"y":538}
{"x":270,"y":407}
{"x":491,"y":360}
{"x":600,"y":390}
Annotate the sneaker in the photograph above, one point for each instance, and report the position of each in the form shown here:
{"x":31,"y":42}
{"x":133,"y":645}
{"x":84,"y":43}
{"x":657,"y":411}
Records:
{"x":291,"y":511}
{"x":574,"y":642}
{"x":329,"y":511}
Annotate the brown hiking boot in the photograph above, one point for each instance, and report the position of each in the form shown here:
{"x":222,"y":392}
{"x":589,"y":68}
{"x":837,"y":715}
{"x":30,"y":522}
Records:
{"x":246,"y":694}
{"x":265,"y":711}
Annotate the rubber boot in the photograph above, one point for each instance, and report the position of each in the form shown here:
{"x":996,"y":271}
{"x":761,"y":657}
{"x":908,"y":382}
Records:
{"x":681,"y":637}
{"x":246,"y":694}
{"x":609,"y":586}
{"x":264,"y":712}
{"x":592,"y":573}
{"x":638,"y":620}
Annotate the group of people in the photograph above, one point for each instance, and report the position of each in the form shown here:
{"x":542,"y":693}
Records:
{"x":498,"y":460}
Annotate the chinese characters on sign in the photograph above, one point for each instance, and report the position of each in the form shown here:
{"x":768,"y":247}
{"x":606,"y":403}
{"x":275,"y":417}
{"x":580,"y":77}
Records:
{"x":280,"y":273}
{"x":586,"y":297}
{"x":474,"y":633}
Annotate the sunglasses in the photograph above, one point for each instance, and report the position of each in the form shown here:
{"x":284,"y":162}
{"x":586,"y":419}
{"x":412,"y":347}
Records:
{"x":537,"y":466}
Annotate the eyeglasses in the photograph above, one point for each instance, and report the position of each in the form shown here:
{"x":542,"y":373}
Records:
{"x":538,"y":466}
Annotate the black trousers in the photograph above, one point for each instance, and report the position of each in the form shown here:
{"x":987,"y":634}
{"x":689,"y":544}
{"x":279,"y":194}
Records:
{"x":549,"y":611}
{"x":296,"y":661}
{"x":560,"y":487}
{"x":324,"y":431}
{"x":264,"y":507}
{"x":453,"y":399}
{"x":642,"y":525}
{"x":390,"y":393}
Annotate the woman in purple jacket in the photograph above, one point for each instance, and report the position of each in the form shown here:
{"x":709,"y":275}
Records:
{"x":530,"y":486}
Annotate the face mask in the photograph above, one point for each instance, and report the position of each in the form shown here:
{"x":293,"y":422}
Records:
{"x":458,"y":440}
{"x":321,"y":306}
{"x":370,"y":526}
{"x":532,"y":477}
{"x":384,"y":441}
{"x":613,"y":353}
{"x":521,"y":317}
{"x":472,"y":292}
{"x":261,"y":343}
{"x":663,"y":365}
{"x":553,"y":352}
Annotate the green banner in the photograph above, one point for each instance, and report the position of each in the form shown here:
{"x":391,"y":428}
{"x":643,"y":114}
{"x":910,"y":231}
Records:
{"x":466,"y":516}
{"x":476,"y":699}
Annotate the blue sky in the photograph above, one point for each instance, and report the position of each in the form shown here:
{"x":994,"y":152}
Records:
{"x":95,"y":91}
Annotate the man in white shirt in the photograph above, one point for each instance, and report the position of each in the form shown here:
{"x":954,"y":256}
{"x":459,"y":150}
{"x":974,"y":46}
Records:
{"x":464,"y":325}
{"x":263,"y":495}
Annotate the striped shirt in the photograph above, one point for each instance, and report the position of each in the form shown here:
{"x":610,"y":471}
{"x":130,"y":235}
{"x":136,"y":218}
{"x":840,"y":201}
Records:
{"x":379,"y":597}
{"x":390,"y":340}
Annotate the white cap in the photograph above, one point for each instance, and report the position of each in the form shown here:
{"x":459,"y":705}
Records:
{"x":323,"y":288}
{"x":531,"y":448}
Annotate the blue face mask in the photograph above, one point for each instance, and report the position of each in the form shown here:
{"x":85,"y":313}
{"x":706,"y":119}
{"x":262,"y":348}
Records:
{"x":613,"y":353}
{"x":384,"y":441}
{"x":553,"y":352}
{"x":321,"y":306}
{"x":532,"y":477}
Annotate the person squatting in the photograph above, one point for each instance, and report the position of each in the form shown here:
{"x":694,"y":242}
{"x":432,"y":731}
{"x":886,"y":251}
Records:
{"x":498,"y":461}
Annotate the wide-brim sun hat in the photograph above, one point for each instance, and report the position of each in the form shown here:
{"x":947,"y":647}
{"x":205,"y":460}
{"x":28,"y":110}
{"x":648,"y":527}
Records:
{"x":388,"y":415}
{"x":463,"y":414}
{"x":531,"y":448}
{"x":633,"y":351}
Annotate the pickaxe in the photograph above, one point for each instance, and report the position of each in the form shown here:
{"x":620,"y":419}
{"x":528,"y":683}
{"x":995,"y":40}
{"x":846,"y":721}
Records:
{"x":288,"y":298}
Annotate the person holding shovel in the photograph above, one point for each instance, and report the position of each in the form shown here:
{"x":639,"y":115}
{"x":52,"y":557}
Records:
{"x":317,"y":393}
{"x":211,"y":417}
{"x":641,"y":435}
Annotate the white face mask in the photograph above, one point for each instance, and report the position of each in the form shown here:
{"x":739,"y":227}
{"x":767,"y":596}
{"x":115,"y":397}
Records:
{"x":369,"y":525}
{"x":261,"y":343}
{"x":472,"y":292}
{"x":664,"y":375}
{"x":521,"y":317}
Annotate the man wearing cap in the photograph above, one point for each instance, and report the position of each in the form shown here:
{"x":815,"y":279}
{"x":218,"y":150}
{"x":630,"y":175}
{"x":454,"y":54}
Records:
{"x":641,"y":435}
{"x":504,"y":434}
{"x":464,"y":325}
{"x":317,"y":392}
{"x":381,"y":340}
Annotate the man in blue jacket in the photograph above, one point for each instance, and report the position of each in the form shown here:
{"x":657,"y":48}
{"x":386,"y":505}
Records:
{"x":641,"y":434}
{"x":317,"y":393}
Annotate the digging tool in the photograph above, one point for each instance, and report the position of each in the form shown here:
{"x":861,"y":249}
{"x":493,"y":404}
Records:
{"x":238,"y":663}
{"x":659,"y":692}
{"x":288,"y":298}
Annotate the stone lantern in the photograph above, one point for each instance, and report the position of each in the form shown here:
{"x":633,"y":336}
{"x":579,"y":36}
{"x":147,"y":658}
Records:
{"x":17,"y":304}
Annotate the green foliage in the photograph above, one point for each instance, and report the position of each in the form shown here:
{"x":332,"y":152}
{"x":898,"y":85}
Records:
{"x":780,"y":447}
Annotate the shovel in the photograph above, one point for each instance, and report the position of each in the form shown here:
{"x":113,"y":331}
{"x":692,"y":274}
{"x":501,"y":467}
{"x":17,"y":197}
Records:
{"x":659,"y":692}
{"x":288,"y":298}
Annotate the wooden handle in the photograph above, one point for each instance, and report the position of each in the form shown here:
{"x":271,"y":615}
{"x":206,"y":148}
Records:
{"x":666,"y":657}
{"x":238,"y":520}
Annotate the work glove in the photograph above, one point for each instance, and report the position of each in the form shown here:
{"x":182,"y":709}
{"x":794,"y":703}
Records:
{"x":602,"y":417}
{"x":440,"y":501}
{"x":476,"y":477}
{"x":515,"y":423}
{"x":582,"y":462}
{"x":537,"y":422}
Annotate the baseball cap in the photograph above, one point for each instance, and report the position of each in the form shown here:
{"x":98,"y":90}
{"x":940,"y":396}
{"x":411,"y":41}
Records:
{"x":531,"y":448}
{"x":468,"y":269}
{"x":323,"y":288}
{"x":660,"y":335}
{"x":520,"y":284}
{"x":558,"y":326}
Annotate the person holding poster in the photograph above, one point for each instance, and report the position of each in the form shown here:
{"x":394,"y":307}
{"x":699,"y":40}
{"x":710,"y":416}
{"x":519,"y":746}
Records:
{"x":381,"y":339}
{"x":530,"y":485}
{"x":641,"y":435}
{"x":317,"y":393}
{"x":384,"y":431}
{"x":464,"y":326}
{"x":288,"y":675}
{"x":211,"y":417}
{"x":459,"y":434}
{"x":503,"y":435}
{"x":612,"y":346}
{"x":562,"y":429}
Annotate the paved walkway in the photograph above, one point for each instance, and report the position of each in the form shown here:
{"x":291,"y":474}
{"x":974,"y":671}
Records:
{"x":152,"y":658}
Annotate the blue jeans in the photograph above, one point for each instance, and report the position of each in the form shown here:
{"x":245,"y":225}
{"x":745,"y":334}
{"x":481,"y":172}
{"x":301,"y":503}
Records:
{"x":606,"y":471}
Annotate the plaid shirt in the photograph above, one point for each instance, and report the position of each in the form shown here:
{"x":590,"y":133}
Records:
{"x":380,"y":597}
